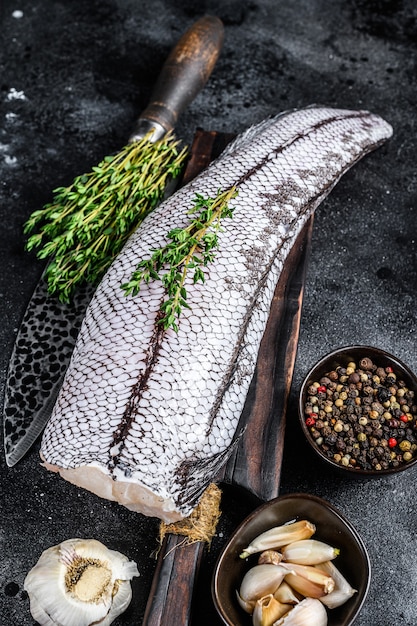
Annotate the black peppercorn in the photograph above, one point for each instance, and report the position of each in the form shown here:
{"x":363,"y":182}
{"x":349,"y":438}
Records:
{"x":331,"y":439}
{"x":383,"y":394}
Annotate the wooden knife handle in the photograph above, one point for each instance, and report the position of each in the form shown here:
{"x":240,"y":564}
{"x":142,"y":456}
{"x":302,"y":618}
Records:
{"x":170,"y":598}
{"x":184,"y":73}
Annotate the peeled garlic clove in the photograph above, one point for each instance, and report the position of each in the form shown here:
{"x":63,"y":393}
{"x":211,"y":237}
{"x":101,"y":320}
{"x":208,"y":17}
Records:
{"x":309,"y":612}
{"x":260,"y":581}
{"x":342,"y":590}
{"x":270,"y":556}
{"x":309,"y":580}
{"x":285,"y":594}
{"x":309,"y":552}
{"x":267,"y":610}
{"x":280,"y":536}
{"x":79,"y":583}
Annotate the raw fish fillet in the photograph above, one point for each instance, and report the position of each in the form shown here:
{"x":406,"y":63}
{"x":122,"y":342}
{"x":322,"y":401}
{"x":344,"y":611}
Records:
{"x":146,"y":416}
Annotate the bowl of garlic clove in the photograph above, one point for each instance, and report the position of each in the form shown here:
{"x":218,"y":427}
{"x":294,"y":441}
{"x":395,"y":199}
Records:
{"x":294,"y":561}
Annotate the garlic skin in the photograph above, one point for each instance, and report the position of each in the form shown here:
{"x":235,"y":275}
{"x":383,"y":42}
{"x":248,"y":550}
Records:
{"x":309,"y":612}
{"x":79,"y":582}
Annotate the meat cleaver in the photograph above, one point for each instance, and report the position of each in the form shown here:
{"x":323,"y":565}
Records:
{"x":49,"y":328}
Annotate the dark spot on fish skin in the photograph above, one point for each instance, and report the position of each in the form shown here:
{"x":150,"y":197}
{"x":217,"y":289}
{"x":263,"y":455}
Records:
{"x":8,"y":427}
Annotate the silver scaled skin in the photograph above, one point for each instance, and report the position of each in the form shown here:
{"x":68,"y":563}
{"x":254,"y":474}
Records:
{"x":146,"y":416}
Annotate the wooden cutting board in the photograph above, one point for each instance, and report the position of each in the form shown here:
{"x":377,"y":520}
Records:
{"x":255,"y":464}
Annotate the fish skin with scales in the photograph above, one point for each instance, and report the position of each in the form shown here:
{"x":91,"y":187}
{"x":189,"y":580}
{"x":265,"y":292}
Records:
{"x":147,"y":416}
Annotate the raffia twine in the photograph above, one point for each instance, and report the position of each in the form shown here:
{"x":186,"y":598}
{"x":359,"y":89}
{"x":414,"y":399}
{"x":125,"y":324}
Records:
{"x":201,"y":524}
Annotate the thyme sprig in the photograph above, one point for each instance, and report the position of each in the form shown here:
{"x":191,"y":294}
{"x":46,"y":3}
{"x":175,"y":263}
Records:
{"x":190,"y":248}
{"x":87,"y":224}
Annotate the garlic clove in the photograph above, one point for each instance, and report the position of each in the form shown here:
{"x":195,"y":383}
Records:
{"x":309,"y":580}
{"x":286,"y":594}
{"x":342,"y":590}
{"x":309,"y":552}
{"x":79,"y":583}
{"x":309,"y":612}
{"x":260,"y":581}
{"x":267,"y":610}
{"x":246,"y":605}
{"x":280,"y":536}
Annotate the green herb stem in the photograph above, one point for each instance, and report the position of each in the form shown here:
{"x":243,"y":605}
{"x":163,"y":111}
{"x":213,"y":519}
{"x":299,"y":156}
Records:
{"x":190,"y":248}
{"x":87,"y":224}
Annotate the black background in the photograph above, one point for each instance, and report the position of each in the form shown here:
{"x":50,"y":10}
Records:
{"x":74,"y":75}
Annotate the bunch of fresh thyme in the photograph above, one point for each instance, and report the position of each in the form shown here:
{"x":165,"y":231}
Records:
{"x":87,"y":224}
{"x":190,"y":248}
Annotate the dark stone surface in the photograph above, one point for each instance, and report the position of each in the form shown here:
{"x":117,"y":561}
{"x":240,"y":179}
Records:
{"x":73,"y":77}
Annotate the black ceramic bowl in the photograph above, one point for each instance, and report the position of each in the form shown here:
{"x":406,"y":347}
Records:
{"x":342,"y":357}
{"x":331,"y":527}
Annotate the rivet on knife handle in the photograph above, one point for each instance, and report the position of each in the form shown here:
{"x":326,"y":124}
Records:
{"x":184,"y":74}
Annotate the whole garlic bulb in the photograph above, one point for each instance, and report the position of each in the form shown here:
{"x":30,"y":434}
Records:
{"x":78,"y":583}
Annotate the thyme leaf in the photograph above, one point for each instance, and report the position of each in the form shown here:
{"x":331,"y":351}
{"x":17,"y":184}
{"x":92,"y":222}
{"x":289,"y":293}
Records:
{"x":86,"y":225}
{"x":190,"y":248}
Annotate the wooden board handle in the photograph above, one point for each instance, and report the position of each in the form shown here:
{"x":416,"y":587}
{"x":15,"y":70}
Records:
{"x":183,"y":75}
{"x":171,"y":595}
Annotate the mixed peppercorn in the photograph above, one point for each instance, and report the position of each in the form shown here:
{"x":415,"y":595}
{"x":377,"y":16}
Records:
{"x":363,"y":417}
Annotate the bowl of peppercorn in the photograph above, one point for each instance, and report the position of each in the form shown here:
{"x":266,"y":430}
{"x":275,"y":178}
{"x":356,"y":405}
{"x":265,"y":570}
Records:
{"x":358,"y":410}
